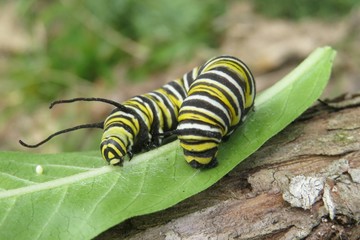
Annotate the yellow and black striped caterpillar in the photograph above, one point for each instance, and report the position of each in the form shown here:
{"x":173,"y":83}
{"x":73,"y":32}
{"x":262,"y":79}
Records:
{"x":202,"y":109}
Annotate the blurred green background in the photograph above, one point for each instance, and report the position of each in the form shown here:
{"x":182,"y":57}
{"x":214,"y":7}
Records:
{"x":116,"y":49}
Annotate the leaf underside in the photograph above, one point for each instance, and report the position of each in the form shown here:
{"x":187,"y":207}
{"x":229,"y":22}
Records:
{"x":78,"y":197}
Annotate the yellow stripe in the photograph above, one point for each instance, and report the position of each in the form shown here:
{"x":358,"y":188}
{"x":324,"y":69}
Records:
{"x":157,"y":111}
{"x":198,"y":147}
{"x":202,"y":160}
{"x":117,"y":131}
{"x":173,"y":99}
{"x":143,"y":110}
{"x":186,"y":116}
{"x":195,"y":116}
{"x":133,"y":124}
{"x":103,"y":152}
{"x":164,"y":110}
{"x":211,"y":90}
{"x":112,"y":146}
{"x":240,"y":69}
{"x":218,"y":94}
{"x":196,"y":138}
{"x":121,"y":143}
{"x":237,"y":67}
{"x":249,"y":99}
{"x":134,"y":103}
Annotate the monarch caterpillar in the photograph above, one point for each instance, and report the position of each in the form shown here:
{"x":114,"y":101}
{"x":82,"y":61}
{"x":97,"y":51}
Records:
{"x":202,"y":108}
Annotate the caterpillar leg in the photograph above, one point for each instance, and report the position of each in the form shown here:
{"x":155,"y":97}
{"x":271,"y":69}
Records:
{"x":130,"y":154}
{"x":226,"y":137}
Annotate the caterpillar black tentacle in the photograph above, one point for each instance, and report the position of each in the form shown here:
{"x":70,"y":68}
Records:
{"x":203,"y":108}
{"x":104,"y":100}
{"x":88,"y":125}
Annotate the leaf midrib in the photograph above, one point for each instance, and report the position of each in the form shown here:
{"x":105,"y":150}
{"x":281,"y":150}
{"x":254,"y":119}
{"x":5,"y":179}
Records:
{"x":64,"y":181}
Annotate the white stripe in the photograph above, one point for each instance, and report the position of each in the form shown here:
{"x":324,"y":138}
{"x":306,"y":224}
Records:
{"x":119,"y":114}
{"x":194,"y":74}
{"x":206,"y":112}
{"x":173,"y":91}
{"x":167,"y":116}
{"x":143,"y":116}
{"x":198,"y":126}
{"x":186,"y":83}
{"x":211,"y":101}
{"x":235,"y":83}
{"x":154,"y":95}
{"x":136,"y":99}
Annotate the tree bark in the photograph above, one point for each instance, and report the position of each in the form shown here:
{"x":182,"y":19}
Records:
{"x":303,"y":183}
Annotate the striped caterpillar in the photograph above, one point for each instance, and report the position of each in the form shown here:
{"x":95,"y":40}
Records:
{"x":202,"y":108}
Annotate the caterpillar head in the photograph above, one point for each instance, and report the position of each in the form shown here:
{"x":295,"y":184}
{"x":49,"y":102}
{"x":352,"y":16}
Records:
{"x":120,"y":131}
{"x":111,"y":150}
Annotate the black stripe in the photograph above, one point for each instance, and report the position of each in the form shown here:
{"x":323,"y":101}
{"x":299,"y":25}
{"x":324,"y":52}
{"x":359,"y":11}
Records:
{"x":210,"y":117}
{"x":151,"y":104}
{"x":213,"y":163}
{"x":170,"y":109}
{"x":248,"y":73}
{"x":188,"y":77}
{"x":234,"y":75}
{"x":199,"y":132}
{"x":236,"y":63}
{"x":200,"y":104}
{"x":196,"y":121}
{"x":206,"y":154}
{"x":122,"y":125}
{"x":112,"y":117}
{"x":199,"y":142}
{"x":227,"y":84}
{"x":113,"y":142}
{"x":178,"y":88}
{"x":143,"y":99}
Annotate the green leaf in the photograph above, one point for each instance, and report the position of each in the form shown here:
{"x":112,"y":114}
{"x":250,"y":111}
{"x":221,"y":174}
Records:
{"x":78,"y":197}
